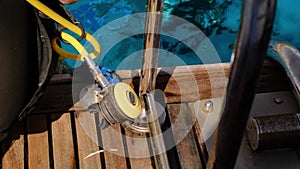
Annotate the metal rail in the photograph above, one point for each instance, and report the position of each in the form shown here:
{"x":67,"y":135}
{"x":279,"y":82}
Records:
{"x":254,"y":35}
{"x":289,"y":58}
{"x":151,"y":45}
{"x":148,"y":80}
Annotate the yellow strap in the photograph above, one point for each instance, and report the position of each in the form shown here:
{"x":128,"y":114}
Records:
{"x":74,"y":42}
{"x":50,"y":13}
{"x":61,"y":52}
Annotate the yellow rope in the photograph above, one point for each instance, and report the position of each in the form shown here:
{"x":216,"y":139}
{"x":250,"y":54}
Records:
{"x":67,"y":24}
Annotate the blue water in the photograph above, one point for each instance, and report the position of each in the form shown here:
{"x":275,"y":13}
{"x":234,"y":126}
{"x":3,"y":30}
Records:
{"x":219,"y":22}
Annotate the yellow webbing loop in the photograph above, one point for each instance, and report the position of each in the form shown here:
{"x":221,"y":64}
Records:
{"x":77,"y":45}
{"x":53,"y":15}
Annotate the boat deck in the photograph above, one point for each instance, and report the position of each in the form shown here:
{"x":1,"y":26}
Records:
{"x":57,"y":140}
{"x":54,"y":137}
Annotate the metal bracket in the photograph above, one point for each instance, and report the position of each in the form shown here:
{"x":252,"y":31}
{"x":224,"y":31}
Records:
{"x":289,"y":57}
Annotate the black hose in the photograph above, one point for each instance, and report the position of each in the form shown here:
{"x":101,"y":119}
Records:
{"x":254,"y":35}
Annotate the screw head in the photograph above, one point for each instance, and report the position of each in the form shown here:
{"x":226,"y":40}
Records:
{"x":208,"y":106}
{"x":278,"y":100}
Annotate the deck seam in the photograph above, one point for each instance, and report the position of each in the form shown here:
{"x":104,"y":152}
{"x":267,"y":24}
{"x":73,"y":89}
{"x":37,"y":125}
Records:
{"x":50,"y":142}
{"x":203,"y":155}
{"x":100,"y":142}
{"x":150,"y":151}
{"x":24,"y":128}
{"x":127,"y":159}
{"x":75,"y":143}
{"x":172,"y":154}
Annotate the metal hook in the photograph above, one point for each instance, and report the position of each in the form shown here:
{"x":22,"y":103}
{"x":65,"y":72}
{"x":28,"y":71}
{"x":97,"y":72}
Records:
{"x":62,"y":28}
{"x":73,"y":20}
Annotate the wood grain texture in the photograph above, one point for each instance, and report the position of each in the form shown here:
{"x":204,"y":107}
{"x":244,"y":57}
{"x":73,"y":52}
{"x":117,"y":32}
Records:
{"x":58,"y":98}
{"x":205,"y":123}
{"x":37,"y":136}
{"x":14,"y":156}
{"x":203,"y":81}
{"x":173,"y":81}
{"x":202,"y":146}
{"x":138,"y":150}
{"x":87,"y":140}
{"x":63,"y":148}
{"x":114,"y":148}
{"x":188,"y":152}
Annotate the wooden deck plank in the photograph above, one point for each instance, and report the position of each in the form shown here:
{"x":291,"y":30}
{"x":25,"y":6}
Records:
{"x":187,"y":149}
{"x":63,"y":148}
{"x":188,"y":152}
{"x":137,"y":145}
{"x":207,"y":77}
{"x":203,"y":82}
{"x":202,"y":145}
{"x":87,"y":143}
{"x":200,"y":79}
{"x":14,"y":156}
{"x":37,"y":136}
{"x":169,"y":80}
{"x":114,"y":148}
{"x":205,"y":123}
{"x":59,"y":99}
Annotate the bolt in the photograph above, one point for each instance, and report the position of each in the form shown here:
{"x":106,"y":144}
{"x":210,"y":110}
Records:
{"x":98,"y":95}
{"x":278,"y":100}
{"x":208,"y":106}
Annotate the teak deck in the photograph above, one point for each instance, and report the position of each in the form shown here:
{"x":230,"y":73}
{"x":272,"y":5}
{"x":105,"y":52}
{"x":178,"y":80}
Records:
{"x":52,"y":137}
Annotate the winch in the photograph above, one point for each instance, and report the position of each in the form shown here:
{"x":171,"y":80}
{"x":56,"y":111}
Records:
{"x":117,"y":102}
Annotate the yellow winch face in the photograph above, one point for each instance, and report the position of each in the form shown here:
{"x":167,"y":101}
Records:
{"x":127,"y":100}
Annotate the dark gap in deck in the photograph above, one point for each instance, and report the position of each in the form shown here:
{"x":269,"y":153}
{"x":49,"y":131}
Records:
{"x":50,"y":142}
{"x":24,"y":129}
{"x":172,"y":153}
{"x":203,"y":154}
{"x":75,"y":143}
{"x":100,"y":142}
{"x":150,"y":151}
{"x":127,"y":159}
